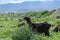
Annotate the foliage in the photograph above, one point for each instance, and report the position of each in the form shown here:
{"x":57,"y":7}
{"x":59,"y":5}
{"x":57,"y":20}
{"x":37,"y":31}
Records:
{"x":10,"y":31}
{"x":22,"y":33}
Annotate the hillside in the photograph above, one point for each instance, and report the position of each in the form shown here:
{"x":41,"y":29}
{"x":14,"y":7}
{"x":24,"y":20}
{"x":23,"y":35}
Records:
{"x":9,"y":29}
{"x":56,"y":13}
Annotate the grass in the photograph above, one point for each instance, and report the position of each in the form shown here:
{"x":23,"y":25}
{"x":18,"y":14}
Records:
{"x":10,"y":31}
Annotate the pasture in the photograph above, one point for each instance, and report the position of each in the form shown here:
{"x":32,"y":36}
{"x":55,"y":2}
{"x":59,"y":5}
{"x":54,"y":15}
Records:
{"x":10,"y":31}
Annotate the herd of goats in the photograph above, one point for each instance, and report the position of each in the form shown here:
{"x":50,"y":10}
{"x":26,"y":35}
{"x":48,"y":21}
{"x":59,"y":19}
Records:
{"x":40,"y":27}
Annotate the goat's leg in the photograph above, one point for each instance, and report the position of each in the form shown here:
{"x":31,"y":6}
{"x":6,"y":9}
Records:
{"x":47,"y":33}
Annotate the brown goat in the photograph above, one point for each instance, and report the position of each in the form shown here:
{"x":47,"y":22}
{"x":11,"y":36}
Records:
{"x":57,"y":28}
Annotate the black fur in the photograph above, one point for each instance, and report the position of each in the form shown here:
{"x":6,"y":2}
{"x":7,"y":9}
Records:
{"x":39,"y":27}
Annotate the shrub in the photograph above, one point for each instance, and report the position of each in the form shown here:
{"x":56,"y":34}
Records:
{"x":22,"y":34}
{"x":44,"y":12}
{"x":58,"y":17}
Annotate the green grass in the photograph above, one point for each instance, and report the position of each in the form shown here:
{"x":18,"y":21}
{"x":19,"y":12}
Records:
{"x":10,"y":31}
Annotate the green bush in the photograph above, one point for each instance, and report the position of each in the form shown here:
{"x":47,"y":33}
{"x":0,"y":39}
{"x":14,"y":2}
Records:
{"x":22,"y":34}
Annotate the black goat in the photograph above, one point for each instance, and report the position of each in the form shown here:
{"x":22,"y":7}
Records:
{"x":39,"y":27}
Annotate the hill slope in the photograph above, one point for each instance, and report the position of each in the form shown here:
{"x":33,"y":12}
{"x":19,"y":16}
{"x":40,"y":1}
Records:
{"x":56,"y":13}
